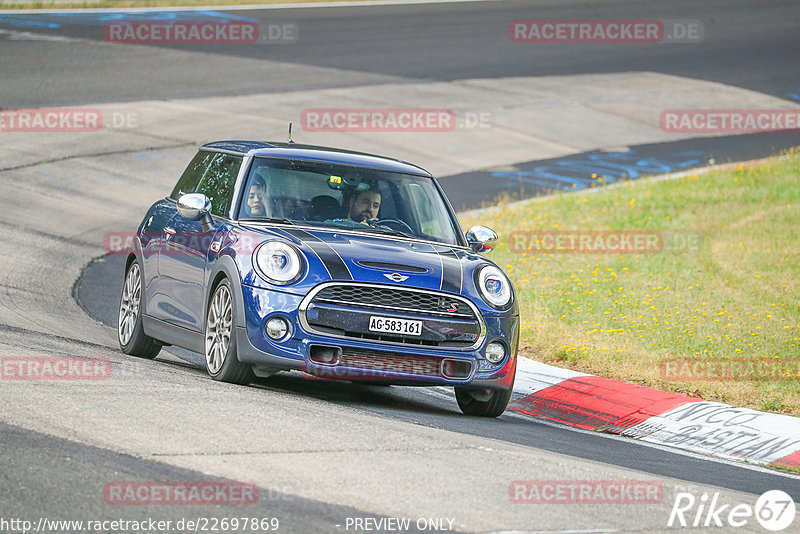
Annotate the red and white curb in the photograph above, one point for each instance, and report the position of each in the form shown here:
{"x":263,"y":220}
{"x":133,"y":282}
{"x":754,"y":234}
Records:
{"x":595,"y":403}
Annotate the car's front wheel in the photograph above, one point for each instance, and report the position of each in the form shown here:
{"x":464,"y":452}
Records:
{"x":130,"y":332}
{"x":483,"y":402}
{"x":222,"y":362}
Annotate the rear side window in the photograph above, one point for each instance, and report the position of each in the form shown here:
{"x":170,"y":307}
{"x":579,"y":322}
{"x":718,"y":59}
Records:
{"x":218,"y":182}
{"x":193,"y":174}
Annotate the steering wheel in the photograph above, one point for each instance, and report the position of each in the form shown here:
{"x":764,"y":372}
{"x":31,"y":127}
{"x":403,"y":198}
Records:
{"x":388,"y":223}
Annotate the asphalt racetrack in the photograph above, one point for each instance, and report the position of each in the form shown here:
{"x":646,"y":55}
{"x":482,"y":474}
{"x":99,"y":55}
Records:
{"x":323,"y":453}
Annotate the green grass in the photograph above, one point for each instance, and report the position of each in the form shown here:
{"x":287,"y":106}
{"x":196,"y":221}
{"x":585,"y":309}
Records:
{"x":733,"y":297}
{"x":794,"y":470}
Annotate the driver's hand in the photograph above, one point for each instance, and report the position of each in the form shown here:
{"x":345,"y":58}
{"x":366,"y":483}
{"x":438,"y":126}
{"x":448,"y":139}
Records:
{"x":369,"y":222}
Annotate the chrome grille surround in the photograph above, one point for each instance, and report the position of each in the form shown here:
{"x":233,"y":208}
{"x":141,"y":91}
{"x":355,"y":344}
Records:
{"x":402,"y":293}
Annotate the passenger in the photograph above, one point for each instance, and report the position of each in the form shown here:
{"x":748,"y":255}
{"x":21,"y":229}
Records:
{"x":256,"y":196}
{"x":364,"y":206}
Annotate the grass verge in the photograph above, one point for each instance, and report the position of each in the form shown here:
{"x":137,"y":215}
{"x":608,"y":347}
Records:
{"x":721,"y":296}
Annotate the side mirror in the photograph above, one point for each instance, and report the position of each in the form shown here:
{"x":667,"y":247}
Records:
{"x":481,"y":239}
{"x":196,"y":207}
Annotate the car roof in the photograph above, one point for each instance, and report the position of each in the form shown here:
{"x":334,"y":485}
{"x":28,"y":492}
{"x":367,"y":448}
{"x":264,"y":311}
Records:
{"x":315,"y":153}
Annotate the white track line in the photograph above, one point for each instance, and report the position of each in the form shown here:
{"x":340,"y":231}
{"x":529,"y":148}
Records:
{"x":14,"y":35}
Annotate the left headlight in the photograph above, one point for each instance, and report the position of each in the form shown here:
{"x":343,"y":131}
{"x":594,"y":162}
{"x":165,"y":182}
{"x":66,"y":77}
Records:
{"x":495,"y":288}
{"x":279,"y":262}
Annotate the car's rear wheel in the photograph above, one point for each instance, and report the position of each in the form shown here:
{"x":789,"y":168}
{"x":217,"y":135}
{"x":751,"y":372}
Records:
{"x":130,"y":332}
{"x":222,"y":362}
{"x":483,"y":402}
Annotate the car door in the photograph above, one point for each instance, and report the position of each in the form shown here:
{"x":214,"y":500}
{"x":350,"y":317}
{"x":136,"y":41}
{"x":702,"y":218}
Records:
{"x":151,"y":236}
{"x":183,"y":259}
{"x":158,"y":293}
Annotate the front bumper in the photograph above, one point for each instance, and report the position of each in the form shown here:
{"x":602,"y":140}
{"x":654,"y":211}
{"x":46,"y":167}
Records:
{"x":341,"y":358}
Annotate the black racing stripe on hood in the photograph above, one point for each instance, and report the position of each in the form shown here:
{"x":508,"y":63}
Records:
{"x":330,"y":258}
{"x":451,"y":269}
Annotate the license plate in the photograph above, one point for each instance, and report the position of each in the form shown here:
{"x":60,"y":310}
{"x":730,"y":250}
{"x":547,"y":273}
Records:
{"x":390,"y":325}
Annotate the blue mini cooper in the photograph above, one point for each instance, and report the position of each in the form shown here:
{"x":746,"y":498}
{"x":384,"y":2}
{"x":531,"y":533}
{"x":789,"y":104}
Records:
{"x":269,"y":257}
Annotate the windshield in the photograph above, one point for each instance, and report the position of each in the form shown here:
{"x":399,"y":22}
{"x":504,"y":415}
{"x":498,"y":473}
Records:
{"x":345,"y":197}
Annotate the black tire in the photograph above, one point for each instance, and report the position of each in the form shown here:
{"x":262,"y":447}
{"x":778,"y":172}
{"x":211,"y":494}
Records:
{"x":130,"y":332}
{"x":483,"y":403}
{"x":221,"y":357}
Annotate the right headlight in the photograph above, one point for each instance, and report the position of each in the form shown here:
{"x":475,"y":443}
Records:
{"x":279,"y":262}
{"x":495,"y":288}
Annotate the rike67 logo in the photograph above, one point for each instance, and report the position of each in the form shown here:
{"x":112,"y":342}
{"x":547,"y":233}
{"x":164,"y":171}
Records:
{"x":774,"y":510}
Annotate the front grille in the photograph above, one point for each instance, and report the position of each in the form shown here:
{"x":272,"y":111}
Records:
{"x":345,"y":310}
{"x":390,"y":362}
{"x":350,"y":363}
{"x":440,"y":305}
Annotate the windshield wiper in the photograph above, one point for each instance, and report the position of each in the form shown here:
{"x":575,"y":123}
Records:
{"x":266,"y":220}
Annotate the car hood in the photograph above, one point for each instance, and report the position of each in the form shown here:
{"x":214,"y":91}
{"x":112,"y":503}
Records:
{"x":336,"y":255}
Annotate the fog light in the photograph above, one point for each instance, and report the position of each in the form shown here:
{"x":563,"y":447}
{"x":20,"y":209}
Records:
{"x":277,"y":328}
{"x":495,"y":352}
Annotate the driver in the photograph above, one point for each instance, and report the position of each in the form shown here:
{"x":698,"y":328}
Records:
{"x":364,"y":206}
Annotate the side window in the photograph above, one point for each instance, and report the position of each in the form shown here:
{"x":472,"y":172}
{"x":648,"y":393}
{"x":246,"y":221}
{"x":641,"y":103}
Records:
{"x":218,"y":181}
{"x":192,"y":175}
{"x":429,"y":222}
